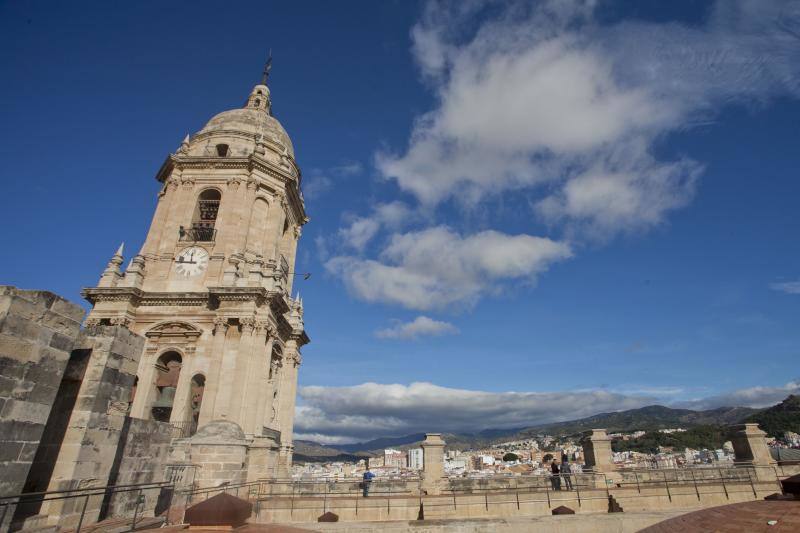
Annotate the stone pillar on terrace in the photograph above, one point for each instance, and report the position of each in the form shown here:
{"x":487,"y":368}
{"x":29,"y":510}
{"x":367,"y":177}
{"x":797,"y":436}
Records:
{"x":750,"y":449}
{"x":597,"y":454}
{"x":432,"y":475}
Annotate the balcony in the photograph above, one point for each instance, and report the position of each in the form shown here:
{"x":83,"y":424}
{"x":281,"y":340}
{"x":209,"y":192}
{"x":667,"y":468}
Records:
{"x":197,"y":234}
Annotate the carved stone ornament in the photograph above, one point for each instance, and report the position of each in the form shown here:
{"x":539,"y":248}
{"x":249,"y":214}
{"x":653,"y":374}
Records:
{"x":298,"y":230}
{"x":252,"y":184}
{"x":248,"y":324}
{"x":121,"y":321}
{"x":220,"y":325}
{"x":173,"y":182}
{"x":187,"y":181}
{"x":91,"y":322}
{"x":234,"y":182}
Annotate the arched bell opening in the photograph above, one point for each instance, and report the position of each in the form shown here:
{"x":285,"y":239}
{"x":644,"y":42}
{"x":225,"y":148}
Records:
{"x":168,"y":370}
{"x":198,"y":386}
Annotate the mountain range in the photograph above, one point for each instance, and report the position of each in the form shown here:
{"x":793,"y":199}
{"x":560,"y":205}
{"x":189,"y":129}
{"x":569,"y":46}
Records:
{"x":784,"y":416}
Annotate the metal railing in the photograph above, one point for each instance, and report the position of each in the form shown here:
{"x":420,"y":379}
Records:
{"x":197,"y":234}
{"x":183,"y":430}
{"x":523,"y":490}
{"x":164,"y":491}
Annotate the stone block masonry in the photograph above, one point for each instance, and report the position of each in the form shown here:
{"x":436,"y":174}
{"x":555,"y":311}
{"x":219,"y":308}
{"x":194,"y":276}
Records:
{"x":37,"y":332}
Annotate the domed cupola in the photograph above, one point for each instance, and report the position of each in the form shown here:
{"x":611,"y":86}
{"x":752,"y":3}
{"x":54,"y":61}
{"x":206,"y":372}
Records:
{"x":241,"y":130}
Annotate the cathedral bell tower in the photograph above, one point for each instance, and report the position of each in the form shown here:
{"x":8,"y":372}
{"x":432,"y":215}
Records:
{"x":210,"y":289}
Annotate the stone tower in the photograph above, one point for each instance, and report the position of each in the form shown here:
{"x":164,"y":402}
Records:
{"x":210,"y":289}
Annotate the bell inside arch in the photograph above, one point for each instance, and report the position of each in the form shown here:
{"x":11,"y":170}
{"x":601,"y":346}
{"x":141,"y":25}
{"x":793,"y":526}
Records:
{"x":166,"y":397}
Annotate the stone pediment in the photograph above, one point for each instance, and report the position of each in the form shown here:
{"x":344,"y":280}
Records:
{"x":174,"y":329}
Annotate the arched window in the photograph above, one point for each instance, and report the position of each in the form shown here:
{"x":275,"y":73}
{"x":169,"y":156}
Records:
{"x":168,"y":370}
{"x":205,"y":215}
{"x":198,"y":387}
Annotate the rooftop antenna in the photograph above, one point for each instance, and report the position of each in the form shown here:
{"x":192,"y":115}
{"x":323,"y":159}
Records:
{"x":267,"y":68}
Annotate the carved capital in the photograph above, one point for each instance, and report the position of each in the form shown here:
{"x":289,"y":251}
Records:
{"x":187,"y":182}
{"x":121,"y":321}
{"x":172,"y":183}
{"x":252,"y":184}
{"x":248,"y":324}
{"x":234,"y":182}
{"x":220,"y":325}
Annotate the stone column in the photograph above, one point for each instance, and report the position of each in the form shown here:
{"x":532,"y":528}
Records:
{"x":227,"y":376}
{"x":145,"y":388}
{"x":432,"y":475}
{"x":255,"y":387}
{"x":243,"y":367}
{"x":180,"y":405}
{"x":750,"y":449}
{"x":287,"y":392}
{"x":212,"y":380}
{"x":597,"y":454}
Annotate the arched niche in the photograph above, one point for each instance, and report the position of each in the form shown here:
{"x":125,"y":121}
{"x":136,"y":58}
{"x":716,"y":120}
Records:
{"x":168,"y":370}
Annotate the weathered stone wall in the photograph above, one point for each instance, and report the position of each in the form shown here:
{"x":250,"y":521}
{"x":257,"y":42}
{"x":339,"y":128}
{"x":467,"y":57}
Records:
{"x":141,"y":458}
{"x":37,"y":333}
{"x":94,"y":432}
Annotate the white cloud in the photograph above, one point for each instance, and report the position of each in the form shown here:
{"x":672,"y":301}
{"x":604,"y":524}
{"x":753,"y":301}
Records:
{"x":436,"y":267}
{"x":748,"y":397}
{"x":370,"y":410}
{"x":419,"y":327}
{"x":361,"y":230}
{"x":789,"y":287}
{"x":546,"y":95}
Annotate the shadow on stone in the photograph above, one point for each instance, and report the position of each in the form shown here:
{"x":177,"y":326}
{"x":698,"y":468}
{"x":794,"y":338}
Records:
{"x":562,"y":509}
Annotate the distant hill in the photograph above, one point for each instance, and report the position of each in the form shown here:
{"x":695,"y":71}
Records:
{"x":780,"y":418}
{"x":647,"y":418}
{"x":383,"y":443}
{"x":651,"y":417}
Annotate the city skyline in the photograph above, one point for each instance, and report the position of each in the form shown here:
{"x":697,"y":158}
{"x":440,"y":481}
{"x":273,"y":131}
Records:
{"x":555,"y":211}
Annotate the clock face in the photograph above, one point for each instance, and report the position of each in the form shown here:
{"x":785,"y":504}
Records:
{"x":191,"y":261}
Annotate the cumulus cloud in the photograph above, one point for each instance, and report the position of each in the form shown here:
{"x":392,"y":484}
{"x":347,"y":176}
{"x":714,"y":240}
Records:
{"x":361,"y":230}
{"x":789,"y":287}
{"x":437,"y":267}
{"x":370,"y":410}
{"x":749,"y":397}
{"x":419,"y":327}
{"x":567,"y":109}
{"x":547,"y":99}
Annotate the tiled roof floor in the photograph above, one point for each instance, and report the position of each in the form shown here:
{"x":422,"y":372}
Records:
{"x":738,"y":517}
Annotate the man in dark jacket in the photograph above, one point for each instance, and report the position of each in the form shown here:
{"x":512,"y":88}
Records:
{"x":566,"y":471}
{"x":554,"y":478}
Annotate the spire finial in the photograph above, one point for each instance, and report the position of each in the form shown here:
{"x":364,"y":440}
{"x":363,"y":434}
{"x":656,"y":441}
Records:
{"x":120,"y":249}
{"x":267,"y":68}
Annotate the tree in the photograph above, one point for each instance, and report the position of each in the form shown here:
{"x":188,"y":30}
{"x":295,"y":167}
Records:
{"x":510,"y":457}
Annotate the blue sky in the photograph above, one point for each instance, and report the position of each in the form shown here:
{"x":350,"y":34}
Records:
{"x":591,"y":204}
